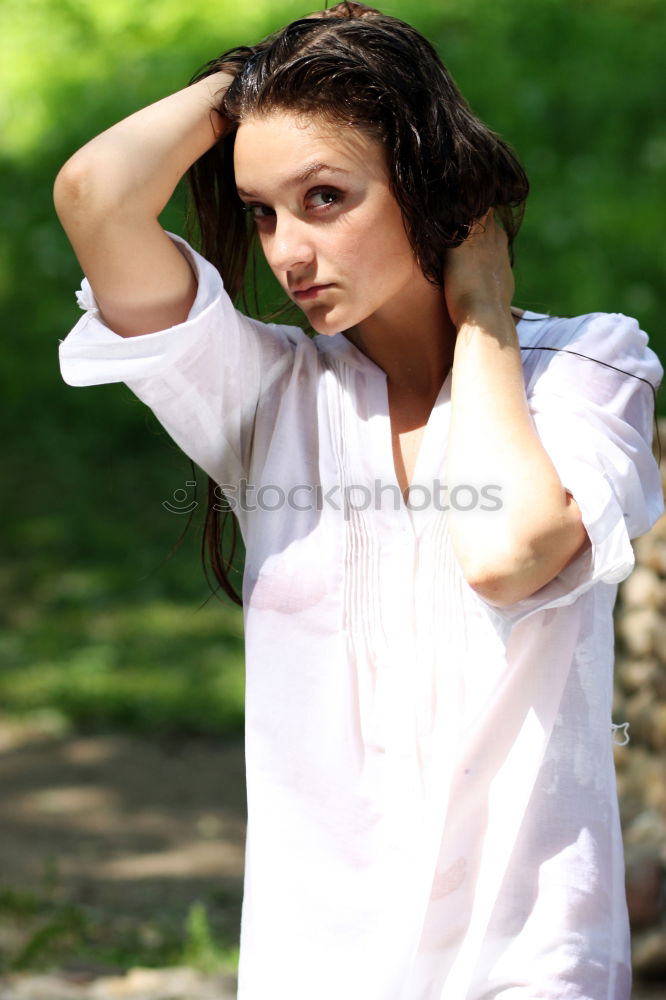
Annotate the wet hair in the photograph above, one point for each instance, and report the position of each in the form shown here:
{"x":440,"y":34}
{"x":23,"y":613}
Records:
{"x":353,"y":66}
{"x":350,"y":65}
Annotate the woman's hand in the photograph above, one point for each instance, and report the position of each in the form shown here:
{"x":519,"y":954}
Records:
{"x":478,"y":280}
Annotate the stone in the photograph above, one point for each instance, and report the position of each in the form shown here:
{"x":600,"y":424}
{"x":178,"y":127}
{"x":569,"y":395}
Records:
{"x":178,"y":983}
{"x":46,"y":987}
{"x":643,"y":589}
{"x":641,"y":782}
{"x":650,"y":549}
{"x":638,"y":710}
{"x":644,"y":880}
{"x":636,"y":628}
{"x":659,"y":638}
{"x":658,"y":728}
{"x":649,"y":954}
{"x":648,"y":828}
{"x":162,"y":984}
{"x":637,"y":674}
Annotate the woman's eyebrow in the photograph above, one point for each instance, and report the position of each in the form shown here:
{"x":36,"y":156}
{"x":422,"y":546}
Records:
{"x":309,"y":171}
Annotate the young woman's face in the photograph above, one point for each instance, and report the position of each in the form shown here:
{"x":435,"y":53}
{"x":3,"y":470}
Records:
{"x":329,"y":226}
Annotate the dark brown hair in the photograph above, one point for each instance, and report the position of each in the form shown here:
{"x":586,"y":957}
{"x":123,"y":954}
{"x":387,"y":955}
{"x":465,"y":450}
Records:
{"x":352,"y":65}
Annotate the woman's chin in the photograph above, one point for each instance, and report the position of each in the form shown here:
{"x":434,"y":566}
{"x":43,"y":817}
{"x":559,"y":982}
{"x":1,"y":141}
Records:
{"x":326,"y":324}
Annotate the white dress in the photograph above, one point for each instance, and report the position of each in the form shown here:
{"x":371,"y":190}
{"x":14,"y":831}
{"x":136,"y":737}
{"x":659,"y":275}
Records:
{"x":432,"y":808}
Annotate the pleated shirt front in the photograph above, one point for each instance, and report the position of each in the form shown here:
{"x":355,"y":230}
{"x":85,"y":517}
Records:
{"x":432,"y":809}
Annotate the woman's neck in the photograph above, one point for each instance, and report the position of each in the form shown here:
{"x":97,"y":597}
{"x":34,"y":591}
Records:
{"x":411,"y":339}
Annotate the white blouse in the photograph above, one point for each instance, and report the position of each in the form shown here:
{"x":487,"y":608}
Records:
{"x":432,"y":808}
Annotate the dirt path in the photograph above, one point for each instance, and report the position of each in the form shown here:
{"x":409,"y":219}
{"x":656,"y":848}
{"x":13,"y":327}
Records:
{"x":134,"y":830}
{"x":127,"y":821}
{"x":129,"y":830}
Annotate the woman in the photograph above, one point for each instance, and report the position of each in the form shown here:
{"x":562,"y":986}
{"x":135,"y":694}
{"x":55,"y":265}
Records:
{"x":436,"y":494}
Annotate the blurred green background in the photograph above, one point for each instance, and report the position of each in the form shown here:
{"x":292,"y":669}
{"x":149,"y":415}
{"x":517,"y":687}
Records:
{"x":104,"y":627}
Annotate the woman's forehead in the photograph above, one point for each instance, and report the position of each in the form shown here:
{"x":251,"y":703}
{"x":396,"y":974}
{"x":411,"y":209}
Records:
{"x":291,"y":148}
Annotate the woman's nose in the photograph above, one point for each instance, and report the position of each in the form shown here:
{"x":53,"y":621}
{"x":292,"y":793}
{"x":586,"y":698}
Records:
{"x":290,"y":245}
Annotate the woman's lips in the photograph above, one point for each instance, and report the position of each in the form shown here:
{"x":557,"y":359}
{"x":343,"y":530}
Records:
{"x":310,"y":293}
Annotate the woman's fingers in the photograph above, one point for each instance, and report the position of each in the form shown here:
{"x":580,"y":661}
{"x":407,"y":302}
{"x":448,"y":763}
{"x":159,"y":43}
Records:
{"x":477,"y":274}
{"x":488,"y":226}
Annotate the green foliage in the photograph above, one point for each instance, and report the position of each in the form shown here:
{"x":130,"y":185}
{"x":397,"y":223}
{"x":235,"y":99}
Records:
{"x":200,"y":949}
{"x":42,"y":924}
{"x":46,"y":927}
{"x":100,"y":622}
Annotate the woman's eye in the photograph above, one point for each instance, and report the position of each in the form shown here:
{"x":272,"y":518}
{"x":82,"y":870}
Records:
{"x":315,"y":200}
{"x":259,"y":211}
{"x":320,"y":199}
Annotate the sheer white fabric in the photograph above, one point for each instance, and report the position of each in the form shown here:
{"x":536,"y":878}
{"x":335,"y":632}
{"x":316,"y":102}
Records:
{"x":432,"y":809}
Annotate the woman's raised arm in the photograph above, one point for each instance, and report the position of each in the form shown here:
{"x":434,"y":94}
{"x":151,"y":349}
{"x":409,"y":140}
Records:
{"x":510,"y":553}
{"x":109,"y":196}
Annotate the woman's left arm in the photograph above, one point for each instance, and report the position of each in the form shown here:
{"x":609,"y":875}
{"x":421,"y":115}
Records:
{"x":513,"y":548}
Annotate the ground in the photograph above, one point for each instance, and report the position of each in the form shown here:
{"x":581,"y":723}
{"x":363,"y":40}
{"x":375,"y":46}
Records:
{"x":132,"y":832}
{"x":124,"y":833}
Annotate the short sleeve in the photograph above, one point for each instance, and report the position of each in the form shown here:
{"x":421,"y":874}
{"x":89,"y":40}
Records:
{"x":202,"y":378}
{"x":591,"y":394}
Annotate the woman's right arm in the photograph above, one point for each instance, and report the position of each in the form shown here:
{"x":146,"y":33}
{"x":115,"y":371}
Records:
{"x":109,"y":196}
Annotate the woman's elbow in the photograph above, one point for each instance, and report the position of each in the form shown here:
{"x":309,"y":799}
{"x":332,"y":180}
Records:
{"x":504,"y":580}
{"x":498,"y":586}
{"x":72,"y":186}
{"x":83,"y":194}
